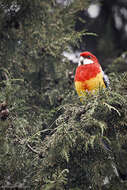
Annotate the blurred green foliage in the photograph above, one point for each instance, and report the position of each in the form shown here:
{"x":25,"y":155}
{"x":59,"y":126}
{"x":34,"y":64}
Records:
{"x":119,"y":65}
{"x":89,"y":141}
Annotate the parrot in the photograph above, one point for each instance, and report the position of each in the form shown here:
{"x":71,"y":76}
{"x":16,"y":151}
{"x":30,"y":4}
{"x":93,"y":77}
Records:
{"x":89,"y":76}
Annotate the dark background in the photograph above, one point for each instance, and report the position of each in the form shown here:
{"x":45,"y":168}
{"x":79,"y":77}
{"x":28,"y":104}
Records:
{"x":110,"y":24}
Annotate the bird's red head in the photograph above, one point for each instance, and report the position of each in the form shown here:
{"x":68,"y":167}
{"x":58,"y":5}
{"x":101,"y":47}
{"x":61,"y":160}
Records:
{"x":89,"y":55}
{"x":88,"y":67}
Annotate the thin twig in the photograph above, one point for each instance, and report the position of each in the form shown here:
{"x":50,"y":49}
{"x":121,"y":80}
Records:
{"x":33,"y":150}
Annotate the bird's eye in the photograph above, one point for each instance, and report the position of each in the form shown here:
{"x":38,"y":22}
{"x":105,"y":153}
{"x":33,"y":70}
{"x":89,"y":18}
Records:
{"x":81,"y":61}
{"x":89,"y":56}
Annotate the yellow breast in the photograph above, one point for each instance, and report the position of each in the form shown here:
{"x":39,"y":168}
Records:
{"x":91,"y":85}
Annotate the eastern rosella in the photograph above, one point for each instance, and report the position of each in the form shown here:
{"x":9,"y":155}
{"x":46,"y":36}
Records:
{"x":89,"y":76}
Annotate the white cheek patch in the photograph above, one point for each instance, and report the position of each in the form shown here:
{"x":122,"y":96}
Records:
{"x":87,"y":61}
{"x":84,"y":61}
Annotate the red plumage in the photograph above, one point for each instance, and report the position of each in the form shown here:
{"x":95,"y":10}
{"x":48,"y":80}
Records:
{"x":86,"y":72}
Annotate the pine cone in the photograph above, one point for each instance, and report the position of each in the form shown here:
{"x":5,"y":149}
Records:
{"x":4,"y":112}
{"x":3,"y":106}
